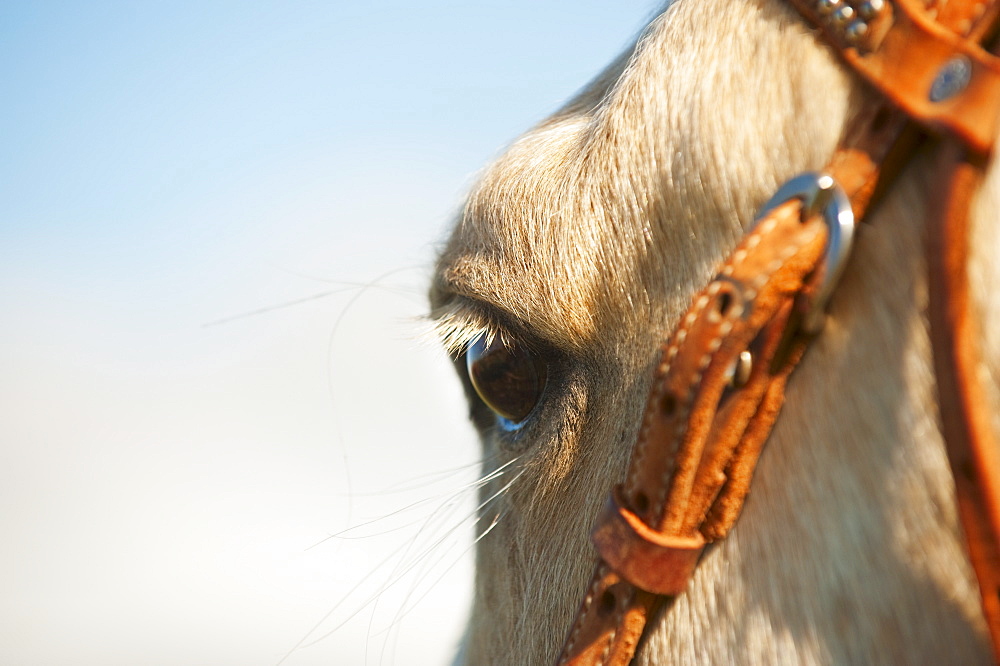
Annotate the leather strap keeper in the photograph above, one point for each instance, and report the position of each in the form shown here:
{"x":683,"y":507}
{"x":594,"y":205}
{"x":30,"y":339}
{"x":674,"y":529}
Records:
{"x":650,"y":560}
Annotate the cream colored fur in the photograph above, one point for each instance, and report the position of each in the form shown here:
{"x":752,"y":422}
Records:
{"x":587,"y":240}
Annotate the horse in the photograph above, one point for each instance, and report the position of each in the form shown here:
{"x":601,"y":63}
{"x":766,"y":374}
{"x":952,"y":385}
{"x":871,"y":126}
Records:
{"x":572,"y":260}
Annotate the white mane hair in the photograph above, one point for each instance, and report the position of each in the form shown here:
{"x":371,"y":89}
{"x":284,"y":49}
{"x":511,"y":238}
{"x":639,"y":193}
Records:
{"x":586,"y":241}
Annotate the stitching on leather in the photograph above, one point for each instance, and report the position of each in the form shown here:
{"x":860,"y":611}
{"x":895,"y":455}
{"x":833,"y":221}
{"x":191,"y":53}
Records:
{"x":680,"y":335}
{"x":682,"y":417}
{"x":714,"y":345}
{"x":657,"y":393}
{"x":614,"y":633}
{"x":602,"y":571}
{"x":723,"y":330}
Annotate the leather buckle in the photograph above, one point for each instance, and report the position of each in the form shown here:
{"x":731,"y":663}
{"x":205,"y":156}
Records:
{"x":819,"y":193}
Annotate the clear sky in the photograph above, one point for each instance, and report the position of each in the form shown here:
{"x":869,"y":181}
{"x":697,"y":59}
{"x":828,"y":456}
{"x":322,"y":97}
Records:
{"x":216,"y":225}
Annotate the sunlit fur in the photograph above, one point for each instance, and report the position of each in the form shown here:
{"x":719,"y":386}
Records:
{"x":586,"y":241}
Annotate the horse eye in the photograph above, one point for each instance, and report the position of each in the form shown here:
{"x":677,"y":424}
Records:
{"x":507,"y":377}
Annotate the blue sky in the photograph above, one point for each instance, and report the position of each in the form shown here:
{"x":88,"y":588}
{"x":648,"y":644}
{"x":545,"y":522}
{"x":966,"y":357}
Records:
{"x":167,"y":165}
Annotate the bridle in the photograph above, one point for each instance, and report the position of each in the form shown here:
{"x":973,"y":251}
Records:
{"x":720,"y":381}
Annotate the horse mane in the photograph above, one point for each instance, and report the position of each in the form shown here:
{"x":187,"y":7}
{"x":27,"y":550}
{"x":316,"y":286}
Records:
{"x":586,"y":240}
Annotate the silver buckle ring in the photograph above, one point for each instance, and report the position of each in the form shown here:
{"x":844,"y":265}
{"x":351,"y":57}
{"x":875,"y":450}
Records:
{"x":819,"y":192}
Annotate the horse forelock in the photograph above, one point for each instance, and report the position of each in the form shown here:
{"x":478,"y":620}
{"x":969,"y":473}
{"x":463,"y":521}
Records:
{"x":587,"y":238}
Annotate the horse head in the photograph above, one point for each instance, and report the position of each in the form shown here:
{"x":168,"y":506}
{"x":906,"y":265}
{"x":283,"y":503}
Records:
{"x":575,"y":256}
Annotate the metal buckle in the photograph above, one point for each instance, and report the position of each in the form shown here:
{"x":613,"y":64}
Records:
{"x":819,"y":192}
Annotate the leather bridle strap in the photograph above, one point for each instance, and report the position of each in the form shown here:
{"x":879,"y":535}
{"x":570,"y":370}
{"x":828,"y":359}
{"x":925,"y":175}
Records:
{"x":720,"y":382}
{"x":649,"y":536}
{"x":973,"y":450}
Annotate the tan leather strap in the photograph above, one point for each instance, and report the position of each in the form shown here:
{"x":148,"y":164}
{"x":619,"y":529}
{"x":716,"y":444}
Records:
{"x":680,"y":475}
{"x":972,"y":447}
{"x":929,"y":68}
{"x":704,"y":425}
{"x":713,"y":473}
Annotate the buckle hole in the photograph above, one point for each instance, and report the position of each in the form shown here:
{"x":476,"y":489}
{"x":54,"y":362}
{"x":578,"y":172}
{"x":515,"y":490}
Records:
{"x":607,"y":604}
